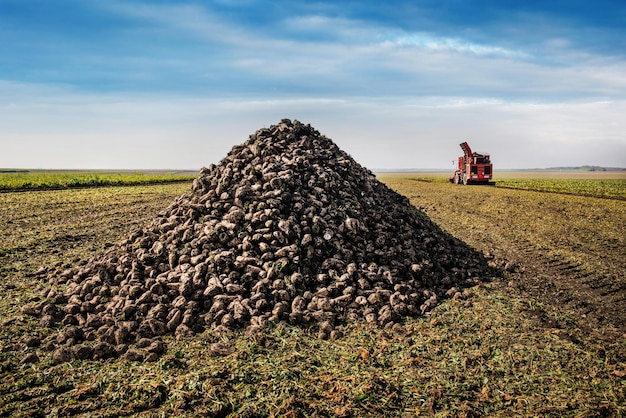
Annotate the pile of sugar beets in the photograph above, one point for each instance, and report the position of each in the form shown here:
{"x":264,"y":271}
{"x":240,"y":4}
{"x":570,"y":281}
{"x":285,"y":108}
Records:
{"x":286,"y":229}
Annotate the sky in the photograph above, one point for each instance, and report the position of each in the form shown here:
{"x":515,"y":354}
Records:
{"x":131,"y":84}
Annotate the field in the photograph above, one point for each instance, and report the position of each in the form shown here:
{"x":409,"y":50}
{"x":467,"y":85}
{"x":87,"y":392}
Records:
{"x":546,"y":338}
{"x":593,"y":184}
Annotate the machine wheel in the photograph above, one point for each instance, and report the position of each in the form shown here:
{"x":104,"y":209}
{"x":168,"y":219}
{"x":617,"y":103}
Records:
{"x":464,"y":180}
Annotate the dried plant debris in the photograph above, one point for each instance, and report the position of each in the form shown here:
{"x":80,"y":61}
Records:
{"x":286,"y":229}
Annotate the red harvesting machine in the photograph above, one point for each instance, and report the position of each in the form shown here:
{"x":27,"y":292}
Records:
{"x":473,"y":168}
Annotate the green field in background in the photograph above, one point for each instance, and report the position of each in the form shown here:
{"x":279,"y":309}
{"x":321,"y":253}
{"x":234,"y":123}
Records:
{"x":61,"y":179}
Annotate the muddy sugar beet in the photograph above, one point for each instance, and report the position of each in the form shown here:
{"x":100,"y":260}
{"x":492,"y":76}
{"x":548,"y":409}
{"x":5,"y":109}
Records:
{"x":287,"y":228}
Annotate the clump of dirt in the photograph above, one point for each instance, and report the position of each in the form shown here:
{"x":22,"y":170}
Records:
{"x":287,"y":228}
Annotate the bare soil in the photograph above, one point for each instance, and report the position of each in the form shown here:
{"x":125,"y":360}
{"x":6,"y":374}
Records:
{"x":547,"y":339}
{"x":565,"y":252}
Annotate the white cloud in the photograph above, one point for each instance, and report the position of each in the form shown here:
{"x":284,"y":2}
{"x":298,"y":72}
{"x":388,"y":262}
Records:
{"x":391,"y":98}
{"x":454,"y":45}
{"x":351,"y":57}
{"x":50,"y":128}
{"x":197,"y":22}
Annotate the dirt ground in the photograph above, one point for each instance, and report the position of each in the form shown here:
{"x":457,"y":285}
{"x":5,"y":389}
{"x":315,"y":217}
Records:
{"x":565,"y":252}
{"x":546,"y":338}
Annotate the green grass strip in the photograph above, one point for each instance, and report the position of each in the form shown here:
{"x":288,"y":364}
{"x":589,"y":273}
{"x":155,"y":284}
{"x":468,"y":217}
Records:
{"x":47,"y":180}
{"x":588,"y":187}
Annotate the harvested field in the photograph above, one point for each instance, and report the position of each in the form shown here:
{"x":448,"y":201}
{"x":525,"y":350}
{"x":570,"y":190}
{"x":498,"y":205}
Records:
{"x":547,"y":339}
{"x":568,"y":245}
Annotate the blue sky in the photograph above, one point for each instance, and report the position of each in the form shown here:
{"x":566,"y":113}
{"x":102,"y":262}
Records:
{"x":397,"y":84}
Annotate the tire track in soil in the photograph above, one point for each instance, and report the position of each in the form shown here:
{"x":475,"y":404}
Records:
{"x":599,"y":299}
{"x":595,"y":298}
{"x":592,"y":291}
